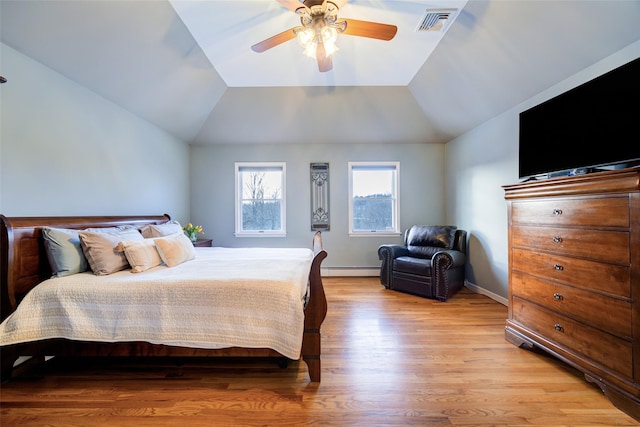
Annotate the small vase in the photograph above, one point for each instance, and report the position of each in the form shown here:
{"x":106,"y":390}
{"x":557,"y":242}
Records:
{"x":193,"y":236}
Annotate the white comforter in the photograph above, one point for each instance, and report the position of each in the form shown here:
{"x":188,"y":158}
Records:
{"x":245,"y":297}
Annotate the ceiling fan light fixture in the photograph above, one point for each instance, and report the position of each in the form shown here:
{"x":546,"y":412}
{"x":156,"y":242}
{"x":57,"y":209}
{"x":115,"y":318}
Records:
{"x":330,"y":49}
{"x":309,"y":38}
{"x":329,"y":37}
{"x":306,"y":37}
{"x":318,"y":26}
{"x":319,"y":29}
{"x":308,"y":41}
{"x":310,"y":49}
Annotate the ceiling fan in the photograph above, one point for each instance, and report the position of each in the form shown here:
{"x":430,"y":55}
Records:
{"x":320,"y":28}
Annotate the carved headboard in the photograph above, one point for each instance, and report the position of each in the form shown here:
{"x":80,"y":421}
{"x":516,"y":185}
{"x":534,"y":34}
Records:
{"x":23,"y":260}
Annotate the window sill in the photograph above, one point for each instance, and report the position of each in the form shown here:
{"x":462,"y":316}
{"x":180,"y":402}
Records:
{"x":260,"y":234}
{"x":375,"y":234}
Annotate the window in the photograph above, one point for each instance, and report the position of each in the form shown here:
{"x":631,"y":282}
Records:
{"x":374,"y":198}
{"x":260,"y":199}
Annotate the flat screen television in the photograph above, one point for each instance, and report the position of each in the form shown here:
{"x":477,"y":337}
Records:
{"x":591,"y":127}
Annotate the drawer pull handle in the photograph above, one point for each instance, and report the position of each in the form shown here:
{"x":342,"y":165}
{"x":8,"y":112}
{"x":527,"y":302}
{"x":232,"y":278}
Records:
{"x":557,"y":211}
{"x":558,"y":327}
{"x":558,"y":267}
{"x":558,"y":297}
{"x":557,"y":239}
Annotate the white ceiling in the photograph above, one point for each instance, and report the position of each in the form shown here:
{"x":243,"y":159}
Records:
{"x":226,"y":30}
{"x":210,"y":88}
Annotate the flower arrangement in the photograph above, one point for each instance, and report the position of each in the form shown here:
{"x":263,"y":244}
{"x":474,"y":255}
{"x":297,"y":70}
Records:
{"x":192,"y":231}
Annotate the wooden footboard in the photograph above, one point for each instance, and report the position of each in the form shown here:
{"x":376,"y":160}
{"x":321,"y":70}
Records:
{"x":24,"y":264}
{"x":315,"y":312}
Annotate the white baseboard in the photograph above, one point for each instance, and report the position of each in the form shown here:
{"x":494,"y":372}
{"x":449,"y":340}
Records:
{"x":375,"y":272}
{"x":482,"y":291}
{"x":350,"y":272}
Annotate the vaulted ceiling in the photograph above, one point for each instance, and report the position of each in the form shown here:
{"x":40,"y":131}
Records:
{"x":225,"y":30}
{"x":187,"y":66}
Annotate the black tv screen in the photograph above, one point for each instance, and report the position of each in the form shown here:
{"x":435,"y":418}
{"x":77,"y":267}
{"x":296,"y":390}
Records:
{"x":592,"y":126}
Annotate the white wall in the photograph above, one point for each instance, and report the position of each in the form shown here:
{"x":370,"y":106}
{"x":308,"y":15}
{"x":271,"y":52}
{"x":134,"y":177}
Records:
{"x":480,"y":162}
{"x":65,"y":150}
{"x":421,"y":194}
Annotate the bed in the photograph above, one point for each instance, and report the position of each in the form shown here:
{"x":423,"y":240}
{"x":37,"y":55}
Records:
{"x":26,"y":279}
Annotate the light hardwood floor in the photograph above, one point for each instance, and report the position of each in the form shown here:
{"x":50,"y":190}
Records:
{"x":389,"y":359}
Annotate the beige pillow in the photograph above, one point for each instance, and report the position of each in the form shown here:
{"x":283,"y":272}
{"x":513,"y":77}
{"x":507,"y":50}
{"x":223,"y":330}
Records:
{"x":141,"y":254}
{"x":161,"y":230}
{"x":99,"y":248}
{"x":175,"y":249}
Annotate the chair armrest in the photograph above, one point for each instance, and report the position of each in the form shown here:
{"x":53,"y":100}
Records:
{"x":387,"y":253}
{"x":448,"y":272}
{"x":448,"y":258}
{"x":392,"y":251}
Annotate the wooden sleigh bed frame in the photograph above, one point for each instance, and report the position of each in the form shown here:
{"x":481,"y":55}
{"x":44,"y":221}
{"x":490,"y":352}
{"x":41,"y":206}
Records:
{"x":24,"y":264}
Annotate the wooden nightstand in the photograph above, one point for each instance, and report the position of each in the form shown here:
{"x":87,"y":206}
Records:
{"x":203,"y":243}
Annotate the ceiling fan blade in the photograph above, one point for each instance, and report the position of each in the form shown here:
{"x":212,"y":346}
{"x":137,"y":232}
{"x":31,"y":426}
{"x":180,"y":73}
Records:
{"x":292,"y":5}
{"x":372,"y":30}
{"x":324,"y":61}
{"x":274,"y":41}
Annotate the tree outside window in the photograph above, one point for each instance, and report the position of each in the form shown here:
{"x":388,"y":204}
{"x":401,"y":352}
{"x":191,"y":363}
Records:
{"x":260,"y":204}
{"x":373,"y":198}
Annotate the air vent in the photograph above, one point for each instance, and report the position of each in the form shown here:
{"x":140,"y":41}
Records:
{"x":435,"y":19}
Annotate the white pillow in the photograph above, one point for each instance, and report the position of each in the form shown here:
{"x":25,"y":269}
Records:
{"x":99,"y":248}
{"x":161,"y":230}
{"x":141,"y":254}
{"x":175,"y":249}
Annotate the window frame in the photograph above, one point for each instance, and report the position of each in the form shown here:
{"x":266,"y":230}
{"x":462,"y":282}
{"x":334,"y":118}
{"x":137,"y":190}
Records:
{"x":239,"y":231}
{"x":395,"y":165}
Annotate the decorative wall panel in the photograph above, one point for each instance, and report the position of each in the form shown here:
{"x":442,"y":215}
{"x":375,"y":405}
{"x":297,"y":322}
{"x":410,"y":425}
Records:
{"x":319,"y":196}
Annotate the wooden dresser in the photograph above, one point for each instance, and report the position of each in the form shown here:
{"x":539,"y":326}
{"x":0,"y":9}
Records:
{"x":574,"y":276}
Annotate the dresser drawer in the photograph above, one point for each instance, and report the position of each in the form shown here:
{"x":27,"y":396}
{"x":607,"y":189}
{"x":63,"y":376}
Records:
{"x":607,"y":246}
{"x":613,"y":314}
{"x":589,"y":275}
{"x":598,"y":212}
{"x":601,"y":347}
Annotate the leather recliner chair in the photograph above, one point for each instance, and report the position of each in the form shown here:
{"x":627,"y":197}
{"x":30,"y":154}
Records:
{"x":430,"y":263}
